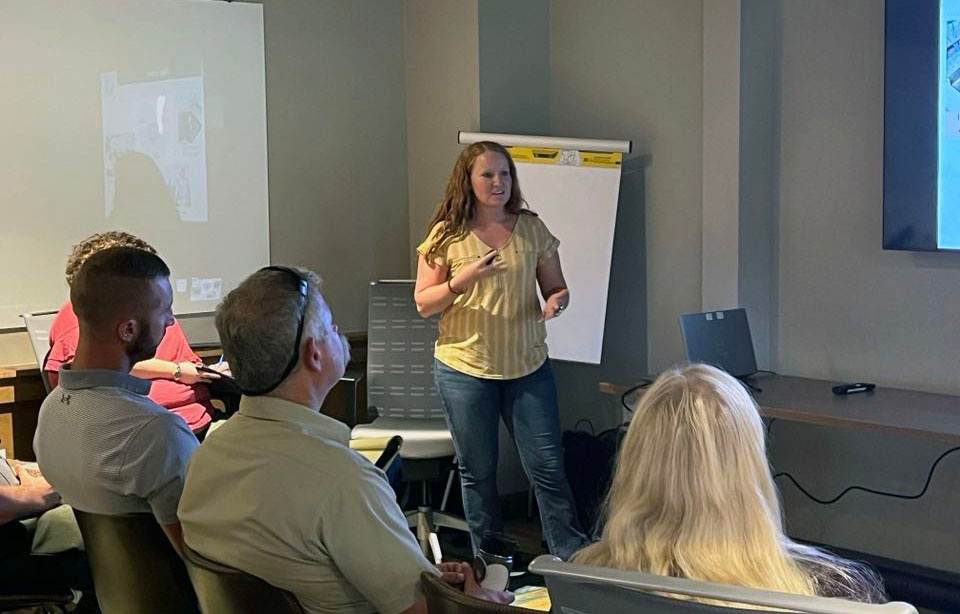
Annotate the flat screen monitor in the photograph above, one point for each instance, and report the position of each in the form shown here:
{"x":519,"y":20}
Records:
{"x":721,"y":339}
{"x":921,"y":138}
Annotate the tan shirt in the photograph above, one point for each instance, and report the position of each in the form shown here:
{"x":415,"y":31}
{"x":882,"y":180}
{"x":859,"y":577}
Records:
{"x":277,"y":493}
{"x":493,"y":330}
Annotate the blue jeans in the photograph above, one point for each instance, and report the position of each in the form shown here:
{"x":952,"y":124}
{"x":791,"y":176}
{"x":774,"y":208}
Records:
{"x":473,"y":407}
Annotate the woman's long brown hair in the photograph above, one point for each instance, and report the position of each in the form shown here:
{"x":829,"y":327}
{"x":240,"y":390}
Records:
{"x":458,"y":206}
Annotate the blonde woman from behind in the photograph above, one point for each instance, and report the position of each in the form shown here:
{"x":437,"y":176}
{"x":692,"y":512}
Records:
{"x":693,"y":497}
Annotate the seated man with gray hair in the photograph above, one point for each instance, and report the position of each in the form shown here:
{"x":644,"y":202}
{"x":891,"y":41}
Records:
{"x":276,"y":492}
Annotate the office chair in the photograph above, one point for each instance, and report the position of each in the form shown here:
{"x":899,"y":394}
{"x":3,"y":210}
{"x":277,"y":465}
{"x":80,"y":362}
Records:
{"x":599,"y":590}
{"x":134,"y":566}
{"x":224,"y":589}
{"x":46,"y":603}
{"x":402,"y":394}
{"x":38,"y":329}
{"x":383,"y":452}
{"x":444,"y":599}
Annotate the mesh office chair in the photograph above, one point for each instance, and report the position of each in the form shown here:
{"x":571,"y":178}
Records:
{"x":38,"y":329}
{"x":134,"y":567}
{"x":400,"y":388}
{"x":599,"y":590}
{"x":224,"y":589}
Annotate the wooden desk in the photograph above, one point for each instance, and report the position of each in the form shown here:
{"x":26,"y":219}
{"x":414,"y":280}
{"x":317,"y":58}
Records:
{"x":21,"y":392}
{"x":888,"y":410}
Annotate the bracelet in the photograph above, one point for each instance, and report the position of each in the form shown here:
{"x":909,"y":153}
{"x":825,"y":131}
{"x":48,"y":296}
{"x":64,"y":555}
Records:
{"x":177,"y":372}
{"x":450,"y":287}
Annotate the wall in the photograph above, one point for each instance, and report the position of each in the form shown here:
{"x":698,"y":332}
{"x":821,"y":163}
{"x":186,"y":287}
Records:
{"x":632,"y":70}
{"x":335,"y":110}
{"x":848,"y":310}
{"x":336,"y":129}
{"x":759,"y":123}
{"x":719,"y":221}
{"x":442,"y":85}
{"x":514,"y":66}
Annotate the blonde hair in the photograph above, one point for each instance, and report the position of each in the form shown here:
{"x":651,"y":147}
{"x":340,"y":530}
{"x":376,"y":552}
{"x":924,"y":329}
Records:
{"x":457,"y":207}
{"x":693,"y":496}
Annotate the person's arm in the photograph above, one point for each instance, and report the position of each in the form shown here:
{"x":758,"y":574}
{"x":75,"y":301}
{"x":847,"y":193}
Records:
{"x":182,"y":363}
{"x":431,"y":293}
{"x":31,"y":497}
{"x":175,"y":534}
{"x":436,"y":290}
{"x":25,"y":501}
{"x":154,"y":368}
{"x":461,"y":575}
{"x":553,"y":287}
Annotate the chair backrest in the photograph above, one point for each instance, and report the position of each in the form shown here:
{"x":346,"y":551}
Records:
{"x":400,"y":354}
{"x":588,"y":590}
{"x":224,"y":589}
{"x":134,"y":566}
{"x":444,"y":599}
{"x":43,"y":602}
{"x":38,"y":329}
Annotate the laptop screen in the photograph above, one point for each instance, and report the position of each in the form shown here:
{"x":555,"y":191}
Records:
{"x":721,"y":339}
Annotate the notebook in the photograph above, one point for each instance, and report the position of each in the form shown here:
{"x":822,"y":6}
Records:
{"x":721,"y":339}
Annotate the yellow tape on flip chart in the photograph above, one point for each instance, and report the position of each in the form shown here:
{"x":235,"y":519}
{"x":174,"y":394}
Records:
{"x":566,"y":157}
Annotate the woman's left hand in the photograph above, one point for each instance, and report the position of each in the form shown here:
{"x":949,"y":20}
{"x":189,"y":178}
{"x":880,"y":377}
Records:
{"x":555,"y":304}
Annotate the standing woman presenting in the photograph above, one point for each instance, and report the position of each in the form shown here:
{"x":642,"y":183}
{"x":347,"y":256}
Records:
{"x":479,"y":267}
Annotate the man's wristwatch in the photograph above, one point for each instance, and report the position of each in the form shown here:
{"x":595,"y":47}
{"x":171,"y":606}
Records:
{"x":177,"y":372}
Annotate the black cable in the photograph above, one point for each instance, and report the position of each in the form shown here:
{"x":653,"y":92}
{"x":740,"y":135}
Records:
{"x":631,"y":390}
{"x":869,"y":490}
{"x":766,"y":371}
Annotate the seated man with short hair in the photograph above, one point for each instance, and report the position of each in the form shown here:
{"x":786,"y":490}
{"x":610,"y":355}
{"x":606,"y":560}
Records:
{"x":175,"y":382}
{"x":276,"y":492}
{"x":100,"y":441}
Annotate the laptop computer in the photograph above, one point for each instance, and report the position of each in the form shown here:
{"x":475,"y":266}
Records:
{"x":721,"y":339}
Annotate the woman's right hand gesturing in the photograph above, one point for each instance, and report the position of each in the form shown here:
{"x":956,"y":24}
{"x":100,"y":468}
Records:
{"x":486,"y":266}
{"x":436,"y":289}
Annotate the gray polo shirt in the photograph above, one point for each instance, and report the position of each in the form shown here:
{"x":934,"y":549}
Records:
{"x":277,"y":493}
{"x":108,"y":449}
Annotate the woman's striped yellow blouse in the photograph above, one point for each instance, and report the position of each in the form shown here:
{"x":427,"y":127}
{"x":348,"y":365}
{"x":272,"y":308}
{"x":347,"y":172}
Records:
{"x":492,"y":330}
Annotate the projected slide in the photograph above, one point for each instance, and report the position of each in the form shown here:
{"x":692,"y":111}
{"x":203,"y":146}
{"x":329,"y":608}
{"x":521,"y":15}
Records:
{"x":162,"y":120}
{"x":144,"y":116}
{"x":948,"y":173}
